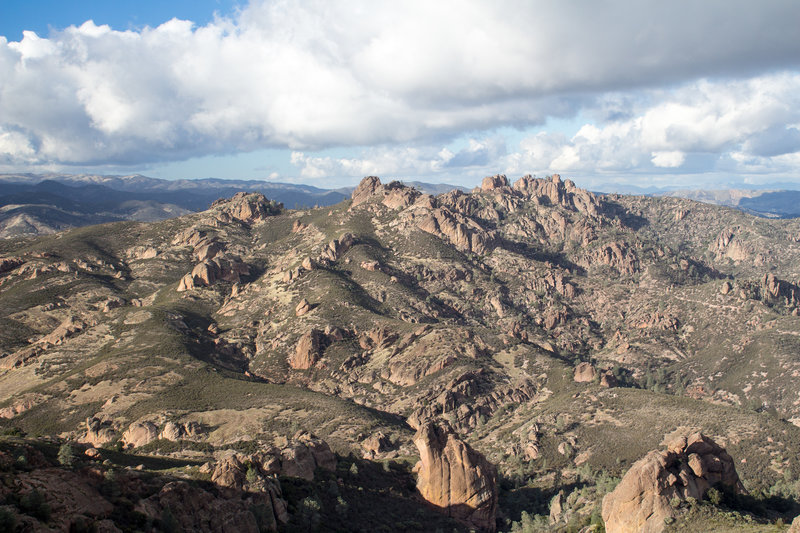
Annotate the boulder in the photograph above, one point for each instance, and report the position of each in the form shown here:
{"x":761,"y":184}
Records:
{"x":375,"y":444}
{"x":454,"y":478}
{"x":308,"y":350}
{"x":139,"y":434}
{"x":98,"y":432}
{"x":584,"y":373}
{"x":688,"y":468}
{"x":302,"y":308}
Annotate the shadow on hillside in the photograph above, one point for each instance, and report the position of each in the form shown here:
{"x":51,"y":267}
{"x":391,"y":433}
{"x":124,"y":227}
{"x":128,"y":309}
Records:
{"x":531,"y":252}
{"x":629,"y":220}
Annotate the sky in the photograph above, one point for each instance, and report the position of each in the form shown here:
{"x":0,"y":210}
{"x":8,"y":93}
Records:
{"x":606,"y":92}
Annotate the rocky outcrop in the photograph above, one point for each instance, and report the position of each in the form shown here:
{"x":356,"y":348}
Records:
{"x":69,"y":326}
{"x":308,"y":350}
{"x":299,"y":457}
{"x":491,"y":183}
{"x":365,"y":190}
{"x":173,"y":431}
{"x":728,"y":245}
{"x":617,"y":255}
{"x":245,"y":207}
{"x":7,"y":264}
{"x":462,"y":232}
{"x":338,"y":247}
{"x":688,"y":468}
{"x":139,"y":434}
{"x":194,"y":509}
{"x":553,"y":191}
{"x":210,"y":271}
{"x":375,"y":444}
{"x":777,"y":290}
{"x":393,"y":195}
{"x":455,"y":478}
{"x":584,"y":373}
{"x":98,"y":432}
{"x":302,"y":308}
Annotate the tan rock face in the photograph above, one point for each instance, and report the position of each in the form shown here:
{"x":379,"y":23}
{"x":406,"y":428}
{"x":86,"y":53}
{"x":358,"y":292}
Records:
{"x":300,"y":457}
{"x":494,"y":182}
{"x":455,"y":478}
{"x":98,"y":432}
{"x":303,"y":307}
{"x":688,"y":468}
{"x":308,"y":350}
{"x":365,"y":189}
{"x":584,"y":373}
{"x":246,"y":207}
{"x":139,"y":434}
{"x":69,"y":327}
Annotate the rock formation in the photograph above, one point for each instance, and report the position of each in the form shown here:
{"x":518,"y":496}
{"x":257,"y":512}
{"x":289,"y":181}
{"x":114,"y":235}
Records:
{"x":139,"y":434}
{"x":688,"y":468}
{"x":584,"y":373}
{"x":245,"y":207}
{"x":308,"y":350}
{"x":455,"y":478}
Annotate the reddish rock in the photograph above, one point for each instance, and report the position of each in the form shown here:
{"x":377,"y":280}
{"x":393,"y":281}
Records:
{"x":302,"y":308}
{"x":365,"y":190}
{"x":308,"y":350}
{"x":490,"y":183}
{"x":455,"y":478}
{"x":688,"y":468}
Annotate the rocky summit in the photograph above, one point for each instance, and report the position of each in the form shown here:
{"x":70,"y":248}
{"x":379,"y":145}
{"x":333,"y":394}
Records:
{"x":526,"y":356}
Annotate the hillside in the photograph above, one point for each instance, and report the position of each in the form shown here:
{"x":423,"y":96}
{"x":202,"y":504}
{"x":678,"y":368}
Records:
{"x":538,"y":329}
{"x":32,"y":204}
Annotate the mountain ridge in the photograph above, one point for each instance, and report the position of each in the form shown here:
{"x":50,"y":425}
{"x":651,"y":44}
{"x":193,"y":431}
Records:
{"x":559,"y":334}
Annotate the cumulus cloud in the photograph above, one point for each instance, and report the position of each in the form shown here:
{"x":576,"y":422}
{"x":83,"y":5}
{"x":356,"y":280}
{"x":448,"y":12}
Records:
{"x":701,"y":126}
{"x":398,"y":77}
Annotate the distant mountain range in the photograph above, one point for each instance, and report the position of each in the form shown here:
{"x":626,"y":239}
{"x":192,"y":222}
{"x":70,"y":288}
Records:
{"x":32,"y":204}
{"x":763,"y":203}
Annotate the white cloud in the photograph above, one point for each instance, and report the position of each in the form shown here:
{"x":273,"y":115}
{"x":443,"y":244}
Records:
{"x":404,"y":78}
{"x":733,"y":123}
{"x":671,"y":159}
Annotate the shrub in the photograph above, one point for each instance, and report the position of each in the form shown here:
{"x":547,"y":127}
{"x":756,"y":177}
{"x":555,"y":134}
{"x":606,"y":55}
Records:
{"x":66,"y":455}
{"x":34,"y":504}
{"x":8,"y":522}
{"x":714,"y":496}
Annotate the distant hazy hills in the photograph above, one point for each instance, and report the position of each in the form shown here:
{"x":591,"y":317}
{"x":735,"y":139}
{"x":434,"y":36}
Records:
{"x":770,"y":204}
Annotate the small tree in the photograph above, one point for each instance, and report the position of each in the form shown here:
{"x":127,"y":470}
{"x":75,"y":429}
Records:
{"x":66,"y":455}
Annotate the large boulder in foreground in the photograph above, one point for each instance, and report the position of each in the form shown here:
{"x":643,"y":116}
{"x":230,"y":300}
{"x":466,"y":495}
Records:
{"x":688,"y":468}
{"x":455,"y":478}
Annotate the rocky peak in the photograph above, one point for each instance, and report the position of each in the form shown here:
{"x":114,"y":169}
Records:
{"x":554,"y":191}
{"x":490,"y":183}
{"x":455,"y":478}
{"x":365,"y":189}
{"x":393,"y":195}
{"x":689,"y":467}
{"x":245,"y":207}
